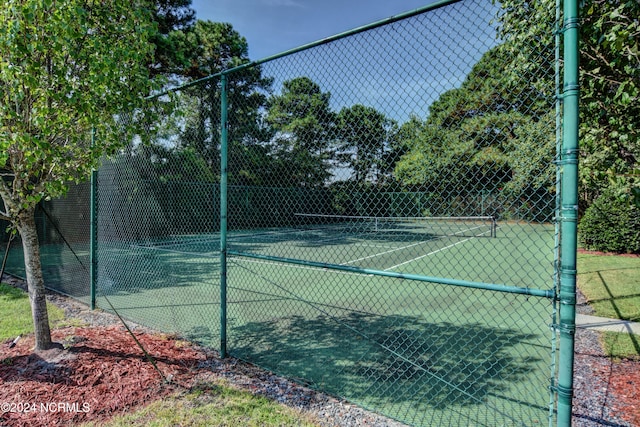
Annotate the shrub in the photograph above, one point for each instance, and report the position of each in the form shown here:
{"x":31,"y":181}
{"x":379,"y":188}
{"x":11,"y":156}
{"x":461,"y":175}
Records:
{"x":611,"y":223}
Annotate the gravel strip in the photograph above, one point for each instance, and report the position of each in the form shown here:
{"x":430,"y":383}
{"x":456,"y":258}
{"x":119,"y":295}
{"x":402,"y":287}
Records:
{"x":592,"y":402}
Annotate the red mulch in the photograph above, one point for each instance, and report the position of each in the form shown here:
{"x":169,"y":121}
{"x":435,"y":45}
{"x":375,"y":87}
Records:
{"x":101,"y":373}
{"x":584,"y":251}
{"x":624,"y":384}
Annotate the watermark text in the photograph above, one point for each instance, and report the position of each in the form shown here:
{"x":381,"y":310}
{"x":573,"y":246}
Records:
{"x":44,"y":407}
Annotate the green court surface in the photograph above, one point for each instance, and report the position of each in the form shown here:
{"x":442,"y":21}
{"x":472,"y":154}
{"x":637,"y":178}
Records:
{"x":381,"y":341}
{"x":378,"y":341}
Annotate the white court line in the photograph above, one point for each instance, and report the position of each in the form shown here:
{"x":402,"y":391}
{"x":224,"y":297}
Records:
{"x":367,"y":245}
{"x":426,"y":255}
{"x":392,"y":250}
{"x":410,"y":246}
{"x":360,"y":244}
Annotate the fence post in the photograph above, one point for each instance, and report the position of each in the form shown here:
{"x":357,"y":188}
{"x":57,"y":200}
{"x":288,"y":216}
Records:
{"x":568,"y":211}
{"x":223,"y":215}
{"x":93,"y":232}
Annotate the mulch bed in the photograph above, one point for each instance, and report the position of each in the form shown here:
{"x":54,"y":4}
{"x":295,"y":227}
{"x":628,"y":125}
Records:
{"x":101,"y":372}
{"x":624,"y":386}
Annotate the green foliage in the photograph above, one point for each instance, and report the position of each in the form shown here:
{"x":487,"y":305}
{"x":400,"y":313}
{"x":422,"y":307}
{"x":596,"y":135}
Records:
{"x":65,"y":68}
{"x":609,"y":81}
{"x":209,"y":48}
{"x":303,"y":122}
{"x":612,"y":222}
{"x":493,"y":134}
{"x":496,"y":129}
{"x":610,"y":93}
{"x":363,"y":133}
{"x":170,"y":16}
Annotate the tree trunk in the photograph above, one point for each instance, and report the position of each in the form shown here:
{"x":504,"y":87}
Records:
{"x":35,"y":281}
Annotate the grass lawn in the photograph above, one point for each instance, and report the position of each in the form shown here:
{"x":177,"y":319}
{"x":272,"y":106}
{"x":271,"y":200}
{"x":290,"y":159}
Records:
{"x":15,"y":313}
{"x":611,"y":284}
{"x":212,"y":404}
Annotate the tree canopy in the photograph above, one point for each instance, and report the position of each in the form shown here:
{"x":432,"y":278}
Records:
{"x":609,"y":83}
{"x":65,"y":68}
{"x":303,"y":122}
{"x":492,"y":134}
{"x":169,"y":16}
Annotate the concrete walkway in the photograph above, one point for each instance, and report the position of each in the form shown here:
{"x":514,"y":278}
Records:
{"x":603,"y":324}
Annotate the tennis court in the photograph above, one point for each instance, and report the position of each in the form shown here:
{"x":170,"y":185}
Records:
{"x":378,"y":341}
{"x":388,"y":215}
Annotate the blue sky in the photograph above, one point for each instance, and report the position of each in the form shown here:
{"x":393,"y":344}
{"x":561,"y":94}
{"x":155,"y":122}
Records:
{"x":273,"y":26}
{"x":399,"y":71}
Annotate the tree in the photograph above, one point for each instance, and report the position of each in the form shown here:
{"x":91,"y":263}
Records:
{"x":214,"y":47}
{"x":505,"y":105}
{"x":170,"y":16}
{"x":493,"y":132}
{"x":65,"y":68}
{"x":609,"y":82}
{"x":363,"y":133}
{"x":610,"y":95}
{"x":304,"y":123}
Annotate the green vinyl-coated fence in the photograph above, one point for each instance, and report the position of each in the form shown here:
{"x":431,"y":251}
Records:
{"x":387,"y":215}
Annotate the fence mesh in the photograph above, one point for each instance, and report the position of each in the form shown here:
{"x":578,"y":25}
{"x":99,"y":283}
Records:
{"x":64,"y":234}
{"x":394,"y":152}
{"x":390,"y":236}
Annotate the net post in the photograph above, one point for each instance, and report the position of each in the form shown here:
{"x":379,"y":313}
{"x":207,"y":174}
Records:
{"x":223,"y":215}
{"x":568,"y":211}
{"x":494,"y":227}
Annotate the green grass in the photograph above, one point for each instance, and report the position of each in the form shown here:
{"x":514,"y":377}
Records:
{"x":208,"y":405}
{"x":621,"y":345}
{"x":611,"y":284}
{"x":15,"y":313}
{"x":212,"y":404}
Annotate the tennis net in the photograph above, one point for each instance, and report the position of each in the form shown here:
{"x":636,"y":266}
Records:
{"x":463,"y":226}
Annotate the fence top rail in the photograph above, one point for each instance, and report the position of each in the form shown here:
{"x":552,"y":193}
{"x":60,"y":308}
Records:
{"x":432,"y":6}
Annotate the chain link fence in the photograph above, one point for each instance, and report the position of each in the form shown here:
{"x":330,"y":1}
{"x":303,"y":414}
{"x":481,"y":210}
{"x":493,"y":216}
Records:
{"x":64,"y":235}
{"x":373,"y":215}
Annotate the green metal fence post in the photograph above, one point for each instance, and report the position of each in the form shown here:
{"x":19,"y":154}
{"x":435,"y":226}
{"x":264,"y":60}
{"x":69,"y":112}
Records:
{"x":223,"y":215}
{"x":556,"y":233}
{"x":93,"y":233}
{"x":569,"y":211}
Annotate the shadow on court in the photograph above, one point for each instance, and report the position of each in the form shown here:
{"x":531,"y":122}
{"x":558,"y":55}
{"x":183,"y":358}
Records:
{"x":401,"y":365}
